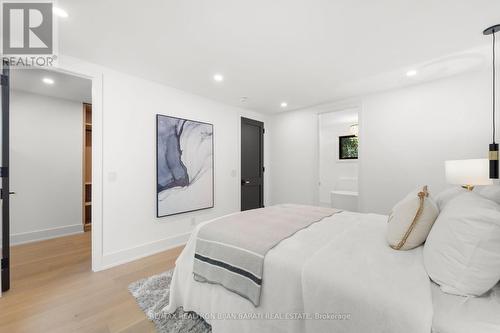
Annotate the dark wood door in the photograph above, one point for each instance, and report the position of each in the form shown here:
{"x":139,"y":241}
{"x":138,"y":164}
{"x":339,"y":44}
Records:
{"x":4,"y":173}
{"x":252,"y":164}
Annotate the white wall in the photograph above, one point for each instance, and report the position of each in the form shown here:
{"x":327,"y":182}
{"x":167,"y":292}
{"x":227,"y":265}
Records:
{"x":294,"y":153}
{"x":405,"y":137}
{"x":294,"y":148}
{"x":126,"y":133}
{"x":46,"y":167}
{"x":335,"y":173}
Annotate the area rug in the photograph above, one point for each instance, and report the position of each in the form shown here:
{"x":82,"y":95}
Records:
{"x":152,"y":296}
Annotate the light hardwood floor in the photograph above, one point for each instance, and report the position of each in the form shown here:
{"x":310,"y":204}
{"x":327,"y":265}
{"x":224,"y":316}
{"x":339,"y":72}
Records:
{"x":54,"y":290}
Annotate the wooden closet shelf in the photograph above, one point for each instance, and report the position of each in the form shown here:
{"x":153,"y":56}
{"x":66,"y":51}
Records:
{"x":87,"y":166}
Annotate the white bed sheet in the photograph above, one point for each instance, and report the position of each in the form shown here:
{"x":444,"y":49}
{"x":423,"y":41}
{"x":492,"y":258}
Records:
{"x":360,"y":276}
{"x":457,"y":314}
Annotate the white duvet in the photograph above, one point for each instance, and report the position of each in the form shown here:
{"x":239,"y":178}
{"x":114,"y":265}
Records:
{"x":337,"y":275}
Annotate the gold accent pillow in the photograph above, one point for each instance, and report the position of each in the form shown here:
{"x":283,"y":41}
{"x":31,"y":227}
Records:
{"x":411,"y":220}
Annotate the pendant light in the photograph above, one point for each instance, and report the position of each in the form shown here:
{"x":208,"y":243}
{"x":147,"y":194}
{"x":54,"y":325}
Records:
{"x":493,"y":146}
{"x":354,"y":129}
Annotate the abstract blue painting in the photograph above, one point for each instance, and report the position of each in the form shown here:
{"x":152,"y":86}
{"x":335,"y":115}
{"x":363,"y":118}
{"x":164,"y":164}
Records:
{"x":184,"y":165}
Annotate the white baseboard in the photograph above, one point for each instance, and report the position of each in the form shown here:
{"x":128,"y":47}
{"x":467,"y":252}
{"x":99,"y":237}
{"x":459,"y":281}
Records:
{"x":38,"y":235}
{"x":121,"y":257}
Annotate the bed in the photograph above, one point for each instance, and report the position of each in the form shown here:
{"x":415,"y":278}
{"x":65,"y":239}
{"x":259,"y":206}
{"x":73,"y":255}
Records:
{"x":336,"y":275}
{"x":457,"y":314}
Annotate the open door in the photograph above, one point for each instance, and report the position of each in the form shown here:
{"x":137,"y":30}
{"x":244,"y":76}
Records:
{"x":4,"y":174}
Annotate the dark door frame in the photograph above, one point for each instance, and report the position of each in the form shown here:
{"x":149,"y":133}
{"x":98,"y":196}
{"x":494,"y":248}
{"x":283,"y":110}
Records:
{"x":4,"y":173}
{"x":259,"y":124}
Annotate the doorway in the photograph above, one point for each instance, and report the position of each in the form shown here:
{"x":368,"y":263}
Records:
{"x":50,"y":164}
{"x":338,"y":159}
{"x":252,"y":164}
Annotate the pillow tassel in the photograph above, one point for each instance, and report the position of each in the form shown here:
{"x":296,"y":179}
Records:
{"x":421,"y":195}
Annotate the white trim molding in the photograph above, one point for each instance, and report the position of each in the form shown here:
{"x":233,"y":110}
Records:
{"x":134,"y":253}
{"x":38,"y":235}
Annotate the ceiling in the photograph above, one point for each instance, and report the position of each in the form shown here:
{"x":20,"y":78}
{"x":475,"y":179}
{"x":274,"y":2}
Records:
{"x":304,"y":52}
{"x":65,"y":86}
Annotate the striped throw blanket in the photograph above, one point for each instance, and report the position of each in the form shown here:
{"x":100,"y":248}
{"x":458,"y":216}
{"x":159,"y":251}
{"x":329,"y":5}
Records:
{"x":230,"y":251}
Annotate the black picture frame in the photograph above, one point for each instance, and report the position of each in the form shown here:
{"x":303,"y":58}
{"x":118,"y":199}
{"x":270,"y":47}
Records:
{"x":342,"y":152}
{"x":158,"y":215}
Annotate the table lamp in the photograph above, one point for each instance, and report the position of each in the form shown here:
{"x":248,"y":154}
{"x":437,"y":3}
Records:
{"x":468,"y":173}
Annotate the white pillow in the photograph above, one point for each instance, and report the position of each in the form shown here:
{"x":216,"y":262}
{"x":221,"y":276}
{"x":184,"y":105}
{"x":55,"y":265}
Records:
{"x":462,"y":252}
{"x":447,"y":195}
{"x":491,"y":192}
{"x":411,"y":220}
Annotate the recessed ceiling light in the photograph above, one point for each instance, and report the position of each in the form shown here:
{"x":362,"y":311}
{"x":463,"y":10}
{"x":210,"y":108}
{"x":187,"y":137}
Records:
{"x":412,"y":72}
{"x":284,"y":104}
{"x":47,"y":80}
{"x":60,"y":12}
{"x":218,"y":78}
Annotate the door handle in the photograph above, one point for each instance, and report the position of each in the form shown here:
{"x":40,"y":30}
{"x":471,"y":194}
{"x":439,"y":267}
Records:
{"x":1,"y":193}
{"x":245,"y":182}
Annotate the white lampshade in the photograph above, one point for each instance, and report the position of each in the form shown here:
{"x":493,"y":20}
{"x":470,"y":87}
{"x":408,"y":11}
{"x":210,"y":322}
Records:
{"x":468,"y":172}
{"x":354,"y":129}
